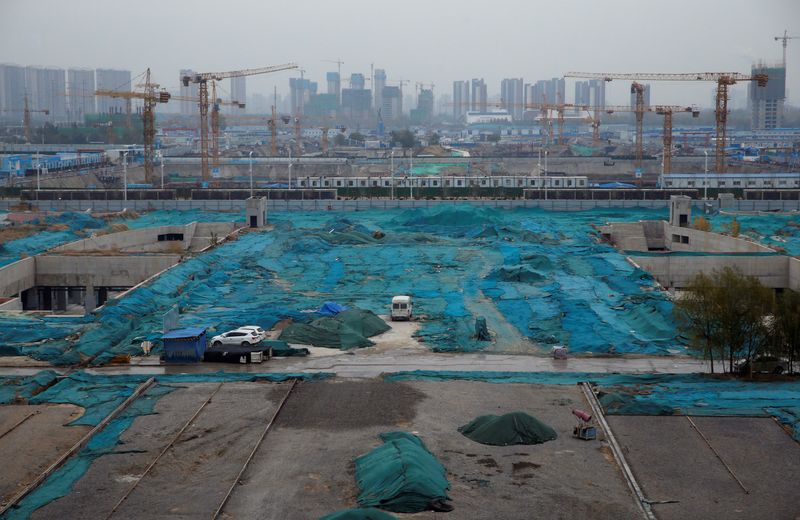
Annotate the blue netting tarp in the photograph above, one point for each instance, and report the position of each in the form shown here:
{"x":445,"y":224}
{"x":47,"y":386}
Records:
{"x":25,"y":387}
{"x":331,"y":308}
{"x":538,"y":277}
{"x":51,"y":231}
{"x":775,"y":229}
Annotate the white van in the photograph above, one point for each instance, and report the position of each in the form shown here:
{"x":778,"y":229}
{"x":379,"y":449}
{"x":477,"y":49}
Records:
{"x":401,"y":308}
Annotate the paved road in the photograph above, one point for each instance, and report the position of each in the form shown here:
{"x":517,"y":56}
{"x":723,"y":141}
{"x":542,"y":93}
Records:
{"x":367,"y":365}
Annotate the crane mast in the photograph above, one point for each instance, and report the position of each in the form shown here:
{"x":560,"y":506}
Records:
{"x":202,"y":80}
{"x":723,"y":79}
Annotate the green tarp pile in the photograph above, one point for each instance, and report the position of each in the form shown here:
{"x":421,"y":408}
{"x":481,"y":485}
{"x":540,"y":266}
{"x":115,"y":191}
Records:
{"x":369,"y":513}
{"x":348,"y":329}
{"x":621,"y":403}
{"x":508,"y":429}
{"x":401,"y":475}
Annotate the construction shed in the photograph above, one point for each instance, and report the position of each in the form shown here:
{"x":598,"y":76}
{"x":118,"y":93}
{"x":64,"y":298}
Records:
{"x":182,"y":345}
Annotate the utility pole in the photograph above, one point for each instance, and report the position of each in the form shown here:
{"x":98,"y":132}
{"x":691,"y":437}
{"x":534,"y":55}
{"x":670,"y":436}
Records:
{"x":124,"y":175}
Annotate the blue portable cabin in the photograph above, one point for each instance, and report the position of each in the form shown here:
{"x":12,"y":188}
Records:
{"x":185,"y":345}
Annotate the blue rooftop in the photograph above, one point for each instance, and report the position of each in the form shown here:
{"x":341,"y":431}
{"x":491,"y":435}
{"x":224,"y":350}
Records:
{"x":191,"y":332}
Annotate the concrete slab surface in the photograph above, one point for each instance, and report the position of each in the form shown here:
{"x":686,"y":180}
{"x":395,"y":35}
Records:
{"x":28,"y":448}
{"x":305,"y":468}
{"x":190,"y":480}
{"x":673,"y":463}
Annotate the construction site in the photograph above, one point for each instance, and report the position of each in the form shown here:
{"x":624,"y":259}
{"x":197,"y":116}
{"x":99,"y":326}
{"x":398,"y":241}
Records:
{"x":218,"y":300}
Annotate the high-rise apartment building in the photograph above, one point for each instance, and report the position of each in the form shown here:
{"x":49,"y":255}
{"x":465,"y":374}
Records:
{"x":478,"y":96}
{"x":550,"y":91}
{"x":391,"y":103}
{"x":424,"y":111}
{"x":512,"y":96}
{"x":357,"y":81}
{"x":301,"y":90}
{"x":108,"y":79}
{"x":461,"y":102}
{"x":12,"y":91}
{"x":191,"y":91}
{"x":47,"y":89}
{"x":767,"y":103}
{"x":356,"y":102}
{"x":238,"y":93}
{"x":379,"y":83}
{"x":334,"y":86}
{"x":590,"y":93}
{"x":80,"y":87}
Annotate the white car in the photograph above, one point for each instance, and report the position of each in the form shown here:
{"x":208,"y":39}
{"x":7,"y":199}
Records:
{"x":244,"y":338}
{"x":262,"y":334}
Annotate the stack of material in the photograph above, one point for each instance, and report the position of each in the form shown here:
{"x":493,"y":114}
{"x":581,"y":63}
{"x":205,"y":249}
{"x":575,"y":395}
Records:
{"x":508,"y":429}
{"x":401,"y":476}
{"x":348,"y":329}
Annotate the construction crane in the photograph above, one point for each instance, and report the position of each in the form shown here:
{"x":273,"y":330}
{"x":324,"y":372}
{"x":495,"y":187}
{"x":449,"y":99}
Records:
{"x":150,"y":95}
{"x":663,"y":110}
{"x":26,"y":117}
{"x":723,"y":80}
{"x":785,"y":39}
{"x":202,"y":79}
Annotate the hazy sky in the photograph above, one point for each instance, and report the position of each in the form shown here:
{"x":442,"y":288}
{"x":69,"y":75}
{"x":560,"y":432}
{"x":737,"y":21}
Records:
{"x":419,"y":40}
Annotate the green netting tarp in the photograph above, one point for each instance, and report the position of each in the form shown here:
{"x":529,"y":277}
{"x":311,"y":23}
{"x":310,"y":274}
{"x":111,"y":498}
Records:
{"x":508,"y":429}
{"x":620,"y":403}
{"x":282,"y":349}
{"x":348,"y":329}
{"x":23,"y":388}
{"x":401,"y":475}
{"x":369,"y":513}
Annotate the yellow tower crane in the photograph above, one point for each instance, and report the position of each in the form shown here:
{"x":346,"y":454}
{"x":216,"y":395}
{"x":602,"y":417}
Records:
{"x":26,"y":117}
{"x":723,"y":79}
{"x":150,"y":95}
{"x":663,"y":110}
{"x":202,"y":80}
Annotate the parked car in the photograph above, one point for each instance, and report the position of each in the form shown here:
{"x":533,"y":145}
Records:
{"x":262,"y":334}
{"x":763,"y":364}
{"x":244,"y":338}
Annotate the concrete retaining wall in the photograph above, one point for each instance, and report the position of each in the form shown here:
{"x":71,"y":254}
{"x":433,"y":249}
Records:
{"x":708,"y":242}
{"x":99,"y":271}
{"x":18,"y":276}
{"x":676,"y":271}
{"x":145,"y":240}
{"x":794,"y":273}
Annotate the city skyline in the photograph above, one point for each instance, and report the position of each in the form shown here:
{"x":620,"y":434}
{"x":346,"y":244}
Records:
{"x":447,"y":52}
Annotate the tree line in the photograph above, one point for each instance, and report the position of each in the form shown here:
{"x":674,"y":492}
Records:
{"x":729,"y":317}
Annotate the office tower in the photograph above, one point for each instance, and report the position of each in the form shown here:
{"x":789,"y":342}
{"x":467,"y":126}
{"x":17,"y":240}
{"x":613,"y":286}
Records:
{"x":591,"y":94}
{"x":356,"y":102}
